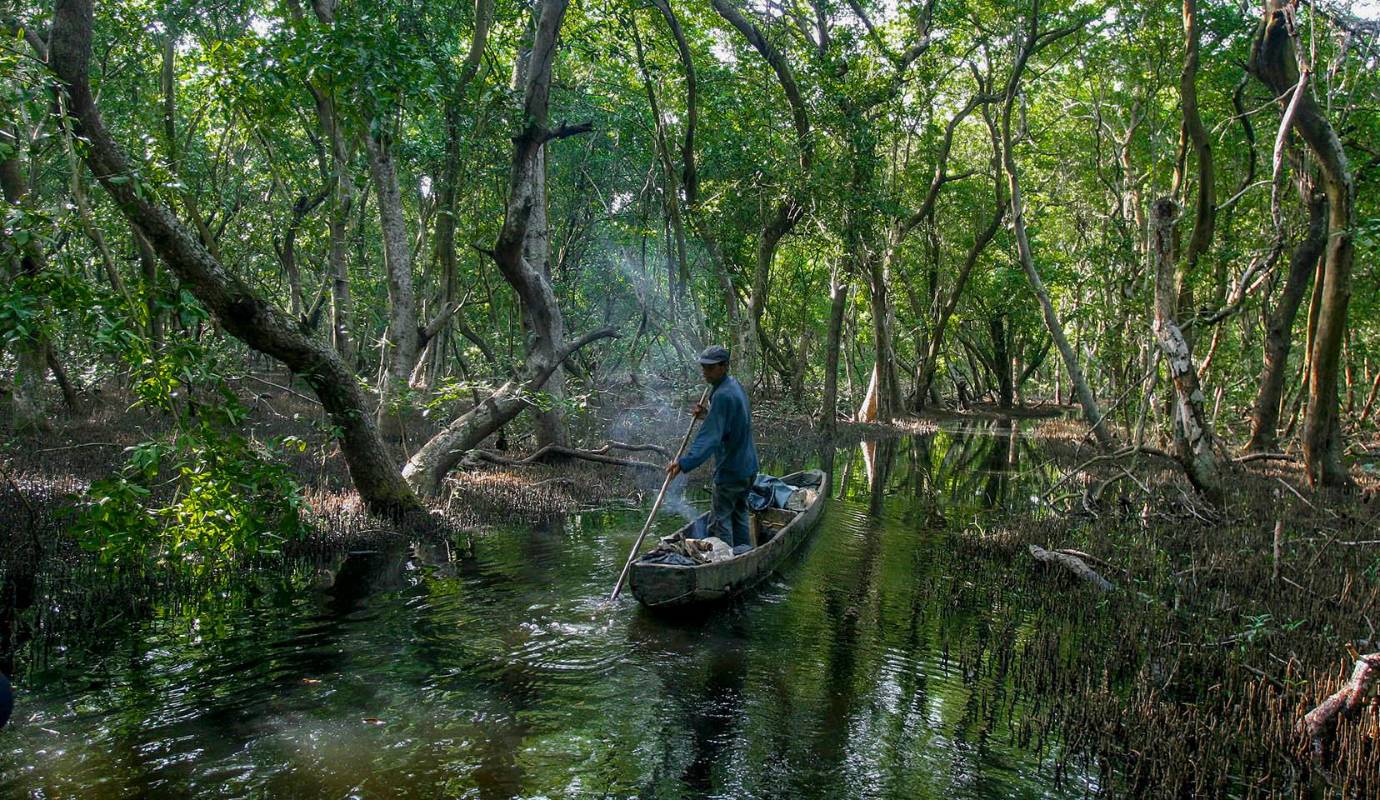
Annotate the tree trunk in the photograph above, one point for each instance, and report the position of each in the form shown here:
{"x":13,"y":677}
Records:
{"x":31,"y":366}
{"x":342,"y":196}
{"x":402,"y":342}
{"x":543,"y":328}
{"x":551,"y":427}
{"x":448,"y":207}
{"x":286,"y":250}
{"x":1274,"y":61}
{"x":884,"y":368}
{"x":1196,"y":452}
{"x":1205,"y":209}
{"x":77,"y":189}
{"x":790,"y":208}
{"x":405,"y":339}
{"x":514,"y":256}
{"x":449,"y":199}
{"x":838,"y":303}
{"x":1278,"y":331}
{"x":983,"y":238}
{"x":69,"y":392}
{"x":1370,"y":398}
{"x":339,"y":227}
{"x":148,"y":271}
{"x":867,"y":412}
{"x":1091,"y":413}
{"x":234,"y":305}
{"x":1001,"y":360}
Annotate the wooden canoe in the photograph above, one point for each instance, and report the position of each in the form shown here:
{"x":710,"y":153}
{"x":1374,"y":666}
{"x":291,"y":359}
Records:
{"x":672,"y":585}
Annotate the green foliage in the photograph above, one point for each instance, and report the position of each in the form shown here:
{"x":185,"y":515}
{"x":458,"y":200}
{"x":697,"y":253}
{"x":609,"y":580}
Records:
{"x":206,"y":493}
{"x":231,"y":497}
{"x":21,"y":311}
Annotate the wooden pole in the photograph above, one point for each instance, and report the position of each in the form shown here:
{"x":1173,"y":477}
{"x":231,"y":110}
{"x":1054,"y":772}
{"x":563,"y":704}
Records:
{"x":661,"y":495}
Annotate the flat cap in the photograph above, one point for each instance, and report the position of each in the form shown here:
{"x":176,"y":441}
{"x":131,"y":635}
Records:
{"x":714,"y":354}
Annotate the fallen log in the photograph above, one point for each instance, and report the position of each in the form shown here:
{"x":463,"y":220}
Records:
{"x":561,"y":450}
{"x":1320,"y":723}
{"x":1074,"y":564}
{"x":1249,"y":457}
{"x":600,"y":456}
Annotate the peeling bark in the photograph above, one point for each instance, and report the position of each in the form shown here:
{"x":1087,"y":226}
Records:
{"x":1320,"y":723}
{"x":1196,"y":439}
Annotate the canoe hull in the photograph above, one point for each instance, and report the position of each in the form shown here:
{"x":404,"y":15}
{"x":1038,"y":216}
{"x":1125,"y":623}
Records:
{"x":668,"y":586}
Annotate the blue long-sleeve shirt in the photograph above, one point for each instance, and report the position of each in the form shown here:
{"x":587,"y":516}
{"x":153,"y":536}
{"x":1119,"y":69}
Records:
{"x":726,"y":435}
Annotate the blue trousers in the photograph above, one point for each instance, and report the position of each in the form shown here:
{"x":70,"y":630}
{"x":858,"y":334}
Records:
{"x":728,"y":518}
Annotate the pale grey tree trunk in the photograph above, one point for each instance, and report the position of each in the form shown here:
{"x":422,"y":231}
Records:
{"x":1091,"y":413}
{"x":401,"y":339}
{"x":1194,"y":435}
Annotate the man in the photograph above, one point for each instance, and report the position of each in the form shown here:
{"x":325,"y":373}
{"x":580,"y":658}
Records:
{"x":727,"y":435}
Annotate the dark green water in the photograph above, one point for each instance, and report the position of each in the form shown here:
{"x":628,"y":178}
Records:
{"x":494,"y":668}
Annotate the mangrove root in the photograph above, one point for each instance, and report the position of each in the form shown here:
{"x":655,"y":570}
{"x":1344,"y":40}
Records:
{"x":1074,"y":564}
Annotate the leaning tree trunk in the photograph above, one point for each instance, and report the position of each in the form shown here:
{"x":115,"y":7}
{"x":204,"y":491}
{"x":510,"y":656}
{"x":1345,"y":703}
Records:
{"x":1274,"y":61}
{"x":428,"y":467}
{"x":236,"y":307}
{"x":1195,"y":451}
{"x":546,"y":347}
{"x":1278,"y":331}
{"x":1091,"y":413}
{"x":30,"y":351}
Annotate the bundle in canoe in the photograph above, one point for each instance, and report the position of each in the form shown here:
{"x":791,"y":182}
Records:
{"x":660,"y":585}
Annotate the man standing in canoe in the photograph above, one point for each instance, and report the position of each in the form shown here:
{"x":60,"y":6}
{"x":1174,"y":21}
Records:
{"x":726,"y":435}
